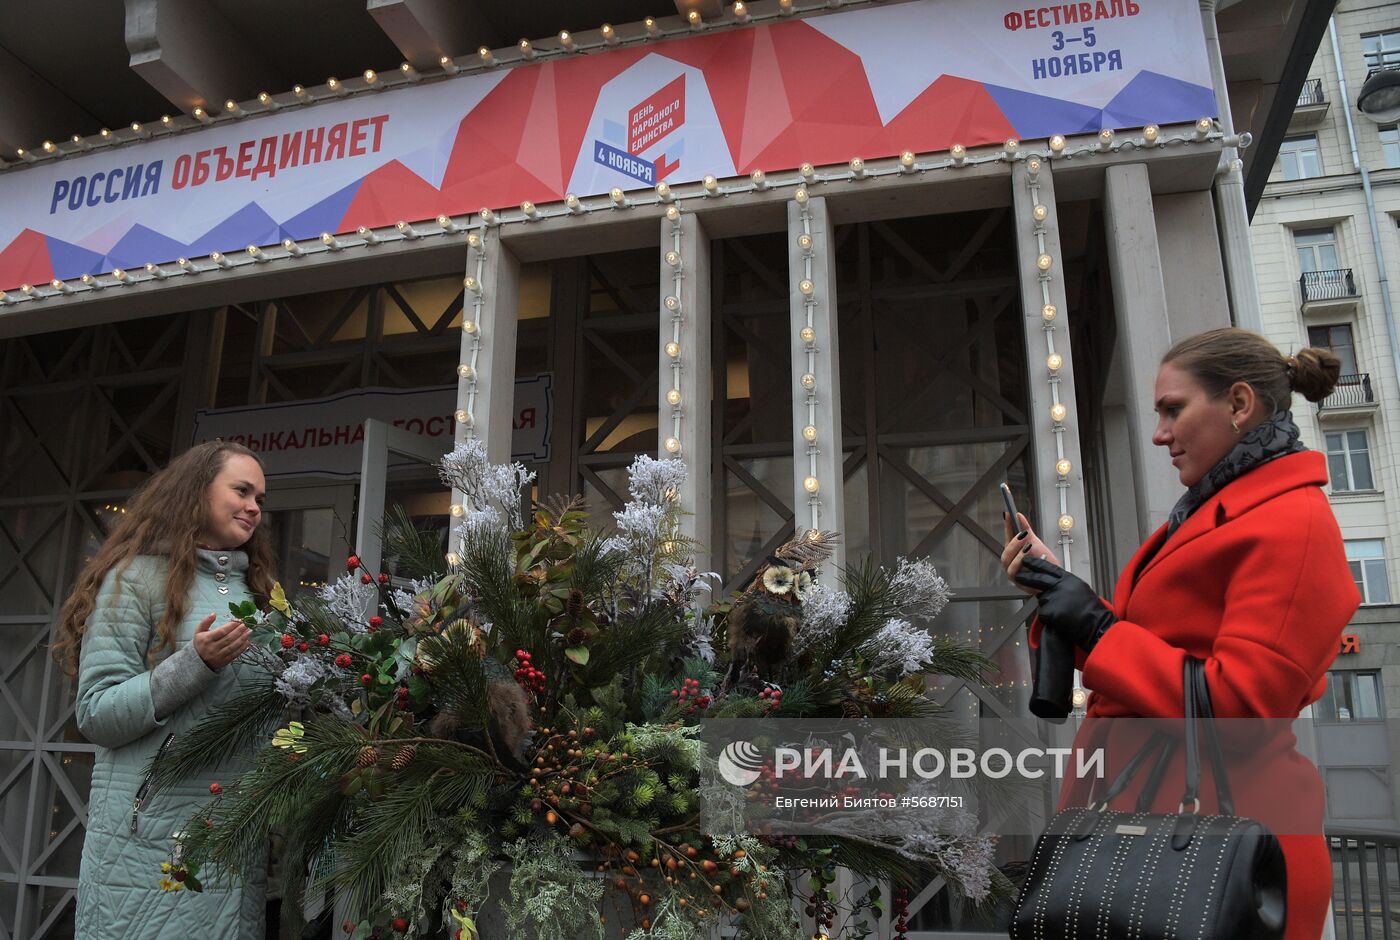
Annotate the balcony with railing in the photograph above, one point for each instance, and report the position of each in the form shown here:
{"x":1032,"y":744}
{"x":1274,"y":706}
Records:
{"x":1311,"y":105}
{"x":1327,"y":289}
{"x":1353,"y":393}
{"x":1365,"y":887}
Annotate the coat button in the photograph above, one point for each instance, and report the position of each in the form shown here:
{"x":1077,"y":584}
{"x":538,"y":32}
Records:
{"x":223,"y":589}
{"x":219,"y":576}
{"x":223,"y":559}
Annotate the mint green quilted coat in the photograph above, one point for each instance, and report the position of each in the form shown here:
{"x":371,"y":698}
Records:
{"x":119,"y":896}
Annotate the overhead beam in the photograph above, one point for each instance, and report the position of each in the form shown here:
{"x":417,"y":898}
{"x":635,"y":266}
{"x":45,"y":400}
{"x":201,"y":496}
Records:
{"x":188,"y":51}
{"x":427,"y":30}
{"x":32,"y":110}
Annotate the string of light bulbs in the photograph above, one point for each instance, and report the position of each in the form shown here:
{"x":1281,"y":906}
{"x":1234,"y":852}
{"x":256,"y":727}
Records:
{"x":808,"y":334}
{"x":907,"y":163}
{"x":468,"y":371}
{"x":672,"y":307}
{"x":1054,"y":361}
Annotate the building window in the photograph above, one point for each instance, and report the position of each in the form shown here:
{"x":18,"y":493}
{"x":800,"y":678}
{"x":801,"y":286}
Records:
{"x":1352,"y":695}
{"x":1349,"y":461}
{"x":1298,"y":157}
{"x":1390,"y":145}
{"x":1337,"y":337}
{"x":1366,"y":558}
{"x":1317,"y":249}
{"x":1382,"y":49}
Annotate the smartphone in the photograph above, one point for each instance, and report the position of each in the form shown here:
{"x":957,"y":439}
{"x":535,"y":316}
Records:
{"x":1011,"y":512}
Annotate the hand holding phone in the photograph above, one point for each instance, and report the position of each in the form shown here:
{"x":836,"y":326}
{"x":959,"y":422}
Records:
{"x":1012,"y":515}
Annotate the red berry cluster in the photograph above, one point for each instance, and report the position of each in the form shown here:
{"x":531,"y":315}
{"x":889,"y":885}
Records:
{"x":366,"y":680}
{"x":530,"y":678}
{"x":403,"y":696}
{"x":352,"y":562}
{"x":323,"y":640}
{"x":901,"y":913}
{"x":366,"y":578}
{"x":303,"y":647}
{"x":375,"y":623}
{"x":343,"y":660}
{"x":215,"y":788}
{"x":772,"y":696}
{"x":288,"y":641}
{"x":688,"y":696}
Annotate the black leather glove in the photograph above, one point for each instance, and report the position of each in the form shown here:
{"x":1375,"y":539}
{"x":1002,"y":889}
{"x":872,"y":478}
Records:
{"x":1068,"y":606}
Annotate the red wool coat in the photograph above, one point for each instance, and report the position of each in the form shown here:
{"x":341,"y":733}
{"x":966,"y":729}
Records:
{"x":1256,"y":584}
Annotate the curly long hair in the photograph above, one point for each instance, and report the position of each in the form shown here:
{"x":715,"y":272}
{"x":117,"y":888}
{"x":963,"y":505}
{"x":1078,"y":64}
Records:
{"x":165,"y":517}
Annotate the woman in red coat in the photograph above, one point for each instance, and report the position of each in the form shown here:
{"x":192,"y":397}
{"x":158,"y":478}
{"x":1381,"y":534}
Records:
{"x":1248,"y":575}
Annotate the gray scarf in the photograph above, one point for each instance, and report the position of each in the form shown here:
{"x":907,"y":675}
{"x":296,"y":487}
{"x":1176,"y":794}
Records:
{"x":1276,"y":437}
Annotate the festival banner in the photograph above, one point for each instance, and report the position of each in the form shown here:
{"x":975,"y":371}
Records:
{"x":323,"y":437}
{"x":874,"y":82}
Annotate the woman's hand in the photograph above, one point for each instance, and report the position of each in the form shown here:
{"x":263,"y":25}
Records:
{"x":222,"y":645}
{"x":1017,"y":548}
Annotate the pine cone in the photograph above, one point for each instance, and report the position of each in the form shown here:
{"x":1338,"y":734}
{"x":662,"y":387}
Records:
{"x":368,"y":756}
{"x":404,"y":757}
{"x":574,"y":605}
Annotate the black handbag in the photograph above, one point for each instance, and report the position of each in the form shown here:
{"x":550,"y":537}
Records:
{"x":1098,"y":874}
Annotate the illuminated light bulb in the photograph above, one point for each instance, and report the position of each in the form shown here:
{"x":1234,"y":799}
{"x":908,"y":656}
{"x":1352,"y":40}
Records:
{"x":25,"y":155}
{"x":337,"y":86}
{"x":741,"y":11}
{"x":673,"y":397}
{"x":1040,"y":212}
{"x":292,"y":248}
{"x":809,"y":172}
{"x":1044,"y":262}
{"x":265,"y":99}
{"x":809,"y":434}
{"x":458,"y":510}
{"x":486,"y":215}
{"x":1106,"y":139}
{"x":446,"y":223}
{"x":806,"y":287}
{"x":299,"y":91}
{"x":572,"y":202}
{"x":200,"y":115}
{"x":1063,"y":467}
{"x":809,"y":335}
{"x":959,"y":154}
{"x":1203,"y":127}
{"x":858,"y":167}
{"x":1054,"y":362}
{"x":218,"y":258}
{"x":119,"y":274}
{"x":1033,"y":166}
{"x":785,"y":7}
{"x":652,"y":29}
{"x":809,"y":381}
{"x":485,"y":54}
{"x":370,"y":76}
{"x":88,"y":280}
{"x":256,"y":253}
{"x":166,"y":120}
{"x":711,"y":185}
{"x":49,"y":146}
{"x":811,"y":484}
{"x":1152,"y":134}
{"x":27,"y":289}
{"x":453,"y":559}
{"x":471,"y":284}
{"x":1078,"y":697}
{"x":469,"y":327}
{"x":231,"y":107}
{"x":529,"y":209}
{"x":672,"y":303}
{"x":906,"y":161}
{"x":673,"y":350}
{"x":804,"y":242}
{"x":760,"y":179}
{"x":663,"y":191}
{"x":364,"y":232}
{"x":463,"y":416}
{"x":185,"y":265}
{"x":329,"y":240}
{"x":527,"y":51}
{"x":619,"y":198}
{"x":1049,"y":312}
{"x":1058,"y":412}
{"x":673,"y":445}
{"x":566,"y":40}
{"x":405,"y":229}
{"x":407,"y":70}
{"x":138,"y":130}
{"x":1012,"y":148}
{"x":673,"y":213}
{"x":673,"y":259}
{"x":695,"y":20}
{"x":61,"y":287}
{"x":801,"y":196}
{"x":1066,"y":522}
{"x":4,"y":297}
{"x":474,"y":241}
{"x":465,"y":371}
{"x":609,"y":34}
{"x":1057,"y":143}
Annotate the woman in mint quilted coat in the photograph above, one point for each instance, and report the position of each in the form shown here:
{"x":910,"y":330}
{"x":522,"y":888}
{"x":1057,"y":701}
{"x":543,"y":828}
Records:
{"x":148,"y":632}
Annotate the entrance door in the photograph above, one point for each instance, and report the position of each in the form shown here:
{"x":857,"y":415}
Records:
{"x":310,"y":529}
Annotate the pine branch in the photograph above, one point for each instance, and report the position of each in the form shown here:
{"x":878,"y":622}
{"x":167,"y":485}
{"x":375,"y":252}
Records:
{"x":957,"y":660}
{"x":456,"y":673}
{"x":412,"y":550}
{"x":633,"y":639}
{"x":229,"y":730}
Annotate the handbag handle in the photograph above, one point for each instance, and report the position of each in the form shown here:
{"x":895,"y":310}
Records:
{"x":1199,"y":710}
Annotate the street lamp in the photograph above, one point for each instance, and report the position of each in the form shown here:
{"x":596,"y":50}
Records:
{"x":1380,"y":96}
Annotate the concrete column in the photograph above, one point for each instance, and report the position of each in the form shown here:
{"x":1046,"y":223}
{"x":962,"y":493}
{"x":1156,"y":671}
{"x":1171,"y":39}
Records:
{"x":1144,"y":333}
{"x":684,"y":379}
{"x":1054,"y":437}
{"x":818,"y":482}
{"x":1191,"y":263}
{"x":486,"y":368}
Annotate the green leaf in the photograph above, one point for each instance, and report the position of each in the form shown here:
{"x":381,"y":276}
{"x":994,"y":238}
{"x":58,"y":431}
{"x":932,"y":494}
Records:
{"x":577,"y":654}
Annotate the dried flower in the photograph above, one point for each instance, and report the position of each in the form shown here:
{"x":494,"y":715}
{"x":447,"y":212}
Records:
{"x":899,"y":647}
